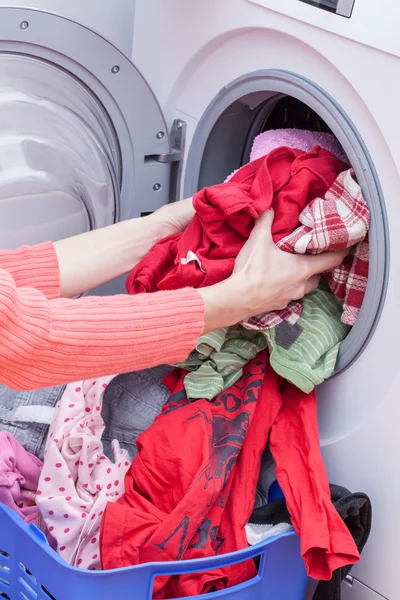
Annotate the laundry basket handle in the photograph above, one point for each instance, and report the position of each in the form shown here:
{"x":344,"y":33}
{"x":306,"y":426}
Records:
{"x":272,"y":553}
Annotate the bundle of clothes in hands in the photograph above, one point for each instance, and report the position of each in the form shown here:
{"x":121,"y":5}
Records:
{"x":178,"y":463}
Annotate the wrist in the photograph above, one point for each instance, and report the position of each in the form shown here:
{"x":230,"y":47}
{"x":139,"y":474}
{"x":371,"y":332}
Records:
{"x":157,"y":227}
{"x":138,"y":236}
{"x":222,"y":305}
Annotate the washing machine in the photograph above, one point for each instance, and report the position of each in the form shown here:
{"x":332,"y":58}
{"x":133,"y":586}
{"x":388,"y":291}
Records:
{"x":107,"y":113}
{"x":230,"y":69}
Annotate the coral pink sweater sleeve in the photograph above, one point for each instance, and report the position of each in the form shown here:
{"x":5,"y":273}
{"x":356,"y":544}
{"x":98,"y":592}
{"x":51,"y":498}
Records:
{"x":47,"y":340}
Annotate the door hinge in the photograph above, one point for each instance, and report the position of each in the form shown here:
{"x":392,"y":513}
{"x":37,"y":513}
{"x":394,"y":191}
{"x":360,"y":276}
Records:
{"x":177,"y":143}
{"x":174,"y":157}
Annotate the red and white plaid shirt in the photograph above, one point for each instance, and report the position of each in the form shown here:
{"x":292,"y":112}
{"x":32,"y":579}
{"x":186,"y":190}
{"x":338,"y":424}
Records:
{"x":339,"y":220}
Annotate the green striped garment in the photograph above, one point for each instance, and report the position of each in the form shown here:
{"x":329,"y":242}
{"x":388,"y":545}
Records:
{"x":305,"y":353}
{"x":312,"y":357}
{"x":218,"y":360}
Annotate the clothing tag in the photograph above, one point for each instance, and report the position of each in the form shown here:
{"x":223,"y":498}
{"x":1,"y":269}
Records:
{"x":286,"y":334}
{"x":294,"y":316}
{"x":34,"y":414}
{"x":191,"y":257}
{"x":32,"y":495}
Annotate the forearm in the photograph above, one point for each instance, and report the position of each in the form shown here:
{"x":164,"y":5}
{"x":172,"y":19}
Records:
{"x":33,"y":266}
{"x":93,"y":258}
{"x":222,"y":307}
{"x":45,"y":343}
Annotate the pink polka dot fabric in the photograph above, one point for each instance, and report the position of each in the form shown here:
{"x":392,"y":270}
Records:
{"x":77,"y":479}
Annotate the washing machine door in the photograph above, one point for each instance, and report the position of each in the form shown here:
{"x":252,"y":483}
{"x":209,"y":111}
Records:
{"x":83,"y":142}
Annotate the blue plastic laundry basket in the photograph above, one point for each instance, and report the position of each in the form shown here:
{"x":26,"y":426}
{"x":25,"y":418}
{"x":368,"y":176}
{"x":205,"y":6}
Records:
{"x":30,"y":570}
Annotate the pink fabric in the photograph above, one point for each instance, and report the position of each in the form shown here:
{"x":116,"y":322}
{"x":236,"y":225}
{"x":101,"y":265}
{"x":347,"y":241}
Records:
{"x":300,"y":139}
{"x":77,"y":479}
{"x":339,"y":220}
{"x":19,"y":477}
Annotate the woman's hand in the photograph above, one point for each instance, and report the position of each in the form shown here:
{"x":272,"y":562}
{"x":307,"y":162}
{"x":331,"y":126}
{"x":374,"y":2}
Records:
{"x":264,"y":279}
{"x":93,"y":258}
{"x":273,"y":277}
{"x":173,"y":218}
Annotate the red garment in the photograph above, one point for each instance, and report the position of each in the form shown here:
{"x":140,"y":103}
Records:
{"x":190,"y":490}
{"x":326,"y":543}
{"x":286,"y":180}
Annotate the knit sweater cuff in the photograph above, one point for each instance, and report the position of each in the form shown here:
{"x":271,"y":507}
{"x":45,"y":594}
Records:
{"x":35,"y":267}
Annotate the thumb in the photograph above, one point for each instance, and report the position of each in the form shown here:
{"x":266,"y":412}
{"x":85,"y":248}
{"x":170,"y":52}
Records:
{"x":262,"y":227}
{"x":319,"y":263}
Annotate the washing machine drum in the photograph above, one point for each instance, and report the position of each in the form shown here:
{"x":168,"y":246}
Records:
{"x":83,"y":142}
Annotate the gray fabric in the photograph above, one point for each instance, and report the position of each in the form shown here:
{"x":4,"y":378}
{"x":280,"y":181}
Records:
{"x":32,"y":436}
{"x":286,"y":334}
{"x":258,"y":532}
{"x":131,"y":403}
{"x":266,"y":478}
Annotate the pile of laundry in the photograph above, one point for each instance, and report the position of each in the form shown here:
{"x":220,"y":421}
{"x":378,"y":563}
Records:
{"x":179,"y":462}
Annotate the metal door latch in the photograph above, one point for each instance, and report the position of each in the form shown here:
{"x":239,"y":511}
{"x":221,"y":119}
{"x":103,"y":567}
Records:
{"x":174,"y":157}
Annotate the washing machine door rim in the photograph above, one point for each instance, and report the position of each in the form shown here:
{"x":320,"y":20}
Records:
{"x":204,"y":160}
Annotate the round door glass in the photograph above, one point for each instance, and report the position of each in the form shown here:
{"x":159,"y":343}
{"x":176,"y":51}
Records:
{"x":60,"y":168}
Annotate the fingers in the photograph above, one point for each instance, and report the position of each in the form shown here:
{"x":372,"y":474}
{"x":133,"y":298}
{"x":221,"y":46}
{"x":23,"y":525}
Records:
{"x":311,"y":284}
{"x":319,"y":263}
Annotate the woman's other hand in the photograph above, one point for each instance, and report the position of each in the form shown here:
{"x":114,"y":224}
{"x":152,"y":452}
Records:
{"x":173,"y":218}
{"x":93,"y":258}
{"x":264,"y":279}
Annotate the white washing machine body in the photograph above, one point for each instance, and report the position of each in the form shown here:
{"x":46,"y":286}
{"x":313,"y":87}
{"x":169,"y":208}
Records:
{"x":88,"y":137}
{"x":214,"y":64}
